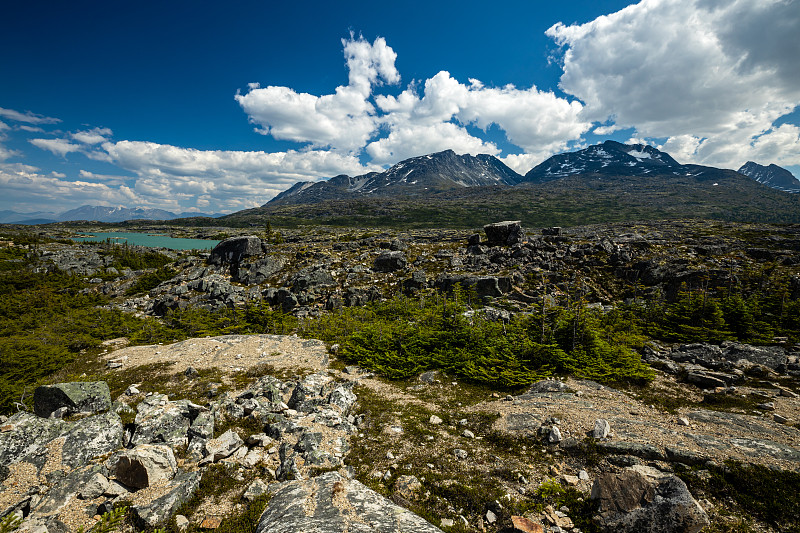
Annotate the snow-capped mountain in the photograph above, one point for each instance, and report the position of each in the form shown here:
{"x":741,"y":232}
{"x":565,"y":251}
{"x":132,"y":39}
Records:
{"x":114,"y":214}
{"x":428,"y":173}
{"x":771,"y":176}
{"x":612,"y":158}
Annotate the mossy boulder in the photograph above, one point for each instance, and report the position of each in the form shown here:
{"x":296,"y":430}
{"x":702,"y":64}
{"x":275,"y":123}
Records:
{"x":77,"y":397}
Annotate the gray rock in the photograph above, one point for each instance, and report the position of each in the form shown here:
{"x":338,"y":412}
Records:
{"x":66,"y":489}
{"x":504,"y":233}
{"x":159,"y":420}
{"x":222,"y":447}
{"x":235,"y":249}
{"x":641,"y":499}
{"x":28,"y":435}
{"x":332,"y":504}
{"x":548,"y":385}
{"x":390,"y":262}
{"x":145,"y":465}
{"x":483,"y":286}
{"x":94,"y":487}
{"x":254,"y":490}
{"x":554,"y":435}
{"x":78,"y":397}
{"x":601,"y":429}
{"x":645,"y":451}
{"x":182,"y":487}
{"x":92,"y":437}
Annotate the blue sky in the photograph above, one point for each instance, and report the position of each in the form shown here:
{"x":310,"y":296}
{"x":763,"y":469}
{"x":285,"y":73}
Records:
{"x":200,"y":106}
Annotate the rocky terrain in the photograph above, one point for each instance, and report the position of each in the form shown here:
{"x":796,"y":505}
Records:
{"x":280,"y":431}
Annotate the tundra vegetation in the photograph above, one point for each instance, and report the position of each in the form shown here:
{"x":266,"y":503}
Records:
{"x":53,"y":324}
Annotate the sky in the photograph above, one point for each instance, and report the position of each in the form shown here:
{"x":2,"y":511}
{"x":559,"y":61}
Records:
{"x":212,"y":107}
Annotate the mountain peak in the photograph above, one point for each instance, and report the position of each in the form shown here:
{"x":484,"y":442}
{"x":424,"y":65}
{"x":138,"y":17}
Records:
{"x":611,"y":158}
{"x":422,"y":174}
{"x":771,"y":176}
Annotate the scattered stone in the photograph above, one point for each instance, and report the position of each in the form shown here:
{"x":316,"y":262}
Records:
{"x":95,"y":487}
{"x":181,"y":522}
{"x":554,"y":436}
{"x":601,"y":429}
{"x":504,"y":233}
{"x":525,"y":525}
{"x":780,"y":419}
{"x":407,"y":486}
{"x":460,"y":454}
{"x":211,"y":522}
{"x":222,"y":447}
{"x":447,"y":522}
{"x":491,"y":517}
{"x":435,"y":420}
{"x":767,"y":406}
{"x":468,"y":434}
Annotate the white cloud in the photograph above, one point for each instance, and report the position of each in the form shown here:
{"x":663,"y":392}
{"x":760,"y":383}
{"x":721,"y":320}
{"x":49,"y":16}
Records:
{"x":224,"y":180}
{"x":60,"y":147}
{"x":28,"y":189}
{"x":30,"y":129}
{"x":679,"y":69}
{"x":92,"y":136}
{"x":30,"y":118}
{"x":406,"y":125}
{"x":344,"y":120}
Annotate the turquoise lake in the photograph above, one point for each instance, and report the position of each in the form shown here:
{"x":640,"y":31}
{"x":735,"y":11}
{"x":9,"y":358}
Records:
{"x":148,"y":239}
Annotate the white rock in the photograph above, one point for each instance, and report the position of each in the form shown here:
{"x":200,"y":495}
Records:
{"x":601,"y":429}
{"x":491,"y":517}
{"x":468,"y":434}
{"x":435,"y":420}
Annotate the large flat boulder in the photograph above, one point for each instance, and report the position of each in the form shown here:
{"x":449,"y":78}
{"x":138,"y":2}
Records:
{"x":235,"y":249}
{"x":643,"y":500}
{"x":332,"y":504}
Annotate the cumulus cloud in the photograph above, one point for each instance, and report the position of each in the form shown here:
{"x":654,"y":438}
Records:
{"x":92,"y":136}
{"x":30,"y":118}
{"x":720,"y":72}
{"x":390,"y":128}
{"x":60,"y":147}
{"x":344,"y":120}
{"x":28,"y":189}
{"x":183,"y":178}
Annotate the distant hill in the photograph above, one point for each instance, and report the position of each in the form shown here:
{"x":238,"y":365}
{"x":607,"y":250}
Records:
{"x":96,"y":213}
{"x":421,"y":175}
{"x":771,"y":176}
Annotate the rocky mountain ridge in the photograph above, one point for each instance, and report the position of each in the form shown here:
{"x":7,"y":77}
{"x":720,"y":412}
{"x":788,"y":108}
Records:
{"x":772,"y":176}
{"x":418,"y":175}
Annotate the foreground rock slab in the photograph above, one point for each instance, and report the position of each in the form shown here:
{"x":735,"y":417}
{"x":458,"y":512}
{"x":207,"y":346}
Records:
{"x":331,"y":504}
{"x":642,"y":499}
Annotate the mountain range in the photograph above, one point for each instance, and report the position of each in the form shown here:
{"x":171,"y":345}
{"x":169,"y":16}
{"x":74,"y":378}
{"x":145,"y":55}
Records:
{"x":447,"y":171}
{"x":95,"y":213}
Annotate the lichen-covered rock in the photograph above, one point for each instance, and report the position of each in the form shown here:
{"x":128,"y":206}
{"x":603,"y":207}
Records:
{"x":644,"y":500}
{"x":159,"y":420}
{"x":78,"y":397}
{"x":222,"y":447}
{"x":332,"y":504}
{"x":146,"y":465}
{"x":182,"y":487}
